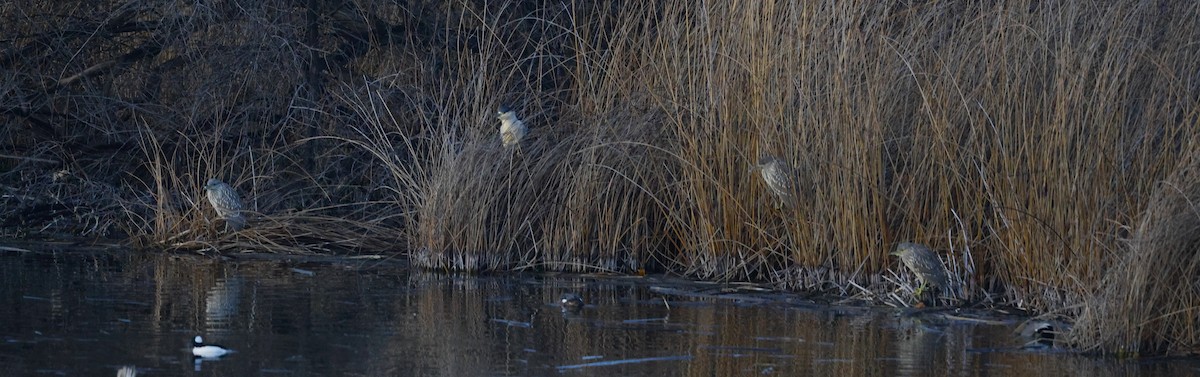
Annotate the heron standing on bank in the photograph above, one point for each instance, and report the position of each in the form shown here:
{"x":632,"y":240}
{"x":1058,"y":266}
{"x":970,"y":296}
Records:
{"x":512,"y":129}
{"x":779,"y":177}
{"x":924,"y":263}
{"x":226,"y":202}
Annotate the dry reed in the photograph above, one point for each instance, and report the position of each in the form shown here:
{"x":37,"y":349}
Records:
{"x":1147,"y":304}
{"x":1020,"y":140}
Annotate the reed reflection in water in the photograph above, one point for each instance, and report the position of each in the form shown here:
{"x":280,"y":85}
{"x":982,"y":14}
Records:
{"x":92,"y":313}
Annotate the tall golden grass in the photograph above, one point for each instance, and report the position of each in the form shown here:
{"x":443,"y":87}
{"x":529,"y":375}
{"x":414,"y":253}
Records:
{"x":1149,"y":300}
{"x":1023,"y":140}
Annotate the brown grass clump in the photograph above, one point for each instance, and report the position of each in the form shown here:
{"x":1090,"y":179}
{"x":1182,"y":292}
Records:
{"x":175,"y":213}
{"x":1148,"y":303}
{"x":564,"y":200}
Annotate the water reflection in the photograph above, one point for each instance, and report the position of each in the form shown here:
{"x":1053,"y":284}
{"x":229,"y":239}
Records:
{"x":83,"y":313}
{"x":222,"y":302}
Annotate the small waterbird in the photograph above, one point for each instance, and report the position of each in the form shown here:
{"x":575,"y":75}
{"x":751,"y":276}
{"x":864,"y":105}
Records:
{"x":1037,"y":334}
{"x":571,"y":302}
{"x":208,"y":351}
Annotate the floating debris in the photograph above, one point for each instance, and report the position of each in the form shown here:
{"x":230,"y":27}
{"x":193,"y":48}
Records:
{"x":512,"y":323}
{"x":646,"y":320}
{"x":625,"y":361}
{"x":740,"y":349}
{"x":303,"y":272}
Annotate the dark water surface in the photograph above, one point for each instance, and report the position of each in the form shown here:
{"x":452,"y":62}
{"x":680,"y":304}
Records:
{"x":80,"y":313}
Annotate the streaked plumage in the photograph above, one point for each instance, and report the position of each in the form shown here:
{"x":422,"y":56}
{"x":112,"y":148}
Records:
{"x":226,"y":201}
{"x":779,"y":177}
{"x":924,"y":263}
{"x":512,"y":129}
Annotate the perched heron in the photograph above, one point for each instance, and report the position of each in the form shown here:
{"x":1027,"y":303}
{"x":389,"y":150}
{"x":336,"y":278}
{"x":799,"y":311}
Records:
{"x":571,"y":302}
{"x":926,"y":265}
{"x":778,"y":176}
{"x":512,"y":129}
{"x":226,"y":202}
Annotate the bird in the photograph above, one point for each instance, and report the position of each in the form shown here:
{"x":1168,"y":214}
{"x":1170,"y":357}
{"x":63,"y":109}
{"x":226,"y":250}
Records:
{"x":1038,"y":334}
{"x":778,"y":176}
{"x":226,"y":202}
{"x":924,"y":263}
{"x":512,"y":129}
{"x":208,"y":351}
{"x":571,"y":302}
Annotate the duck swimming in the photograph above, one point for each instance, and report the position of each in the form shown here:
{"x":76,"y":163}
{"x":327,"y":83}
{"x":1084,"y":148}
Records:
{"x":571,"y":302}
{"x":208,"y":351}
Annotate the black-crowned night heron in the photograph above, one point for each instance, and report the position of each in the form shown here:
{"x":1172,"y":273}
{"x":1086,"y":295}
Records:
{"x":226,"y":202}
{"x":924,"y":263}
{"x":779,"y":177}
{"x":571,"y":302}
{"x":512,"y":129}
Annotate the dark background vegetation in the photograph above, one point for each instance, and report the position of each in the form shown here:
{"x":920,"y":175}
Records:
{"x":1048,"y":150}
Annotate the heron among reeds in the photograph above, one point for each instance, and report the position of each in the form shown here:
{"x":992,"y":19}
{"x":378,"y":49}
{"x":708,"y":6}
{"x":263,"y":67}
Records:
{"x":779,"y":177}
{"x":226,"y":201}
{"x":924,"y":263}
{"x":512,"y":129}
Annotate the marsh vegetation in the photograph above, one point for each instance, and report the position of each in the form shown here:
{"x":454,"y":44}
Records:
{"x":1046,"y":150}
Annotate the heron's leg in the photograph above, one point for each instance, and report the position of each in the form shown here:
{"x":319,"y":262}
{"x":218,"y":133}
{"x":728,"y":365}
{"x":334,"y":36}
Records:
{"x":516,"y":152}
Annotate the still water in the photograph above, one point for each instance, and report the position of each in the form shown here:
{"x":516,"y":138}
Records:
{"x":87,"y":313}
